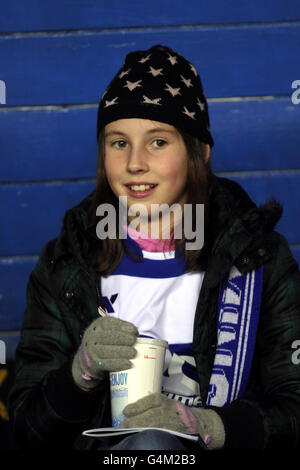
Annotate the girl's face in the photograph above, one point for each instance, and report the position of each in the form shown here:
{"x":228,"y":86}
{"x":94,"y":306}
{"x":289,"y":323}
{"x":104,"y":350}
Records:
{"x":146,"y":161}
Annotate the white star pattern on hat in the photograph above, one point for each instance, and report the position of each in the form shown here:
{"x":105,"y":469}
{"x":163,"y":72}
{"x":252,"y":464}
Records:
{"x":125,"y":72}
{"x":193,"y":70}
{"x":172,"y":59}
{"x":149,"y":101}
{"x":155,"y":72}
{"x":132,"y":85}
{"x":173,"y":91}
{"x":186,"y":81}
{"x":144,"y":59}
{"x":200,"y":104}
{"x":189,"y":113}
{"x":110,"y":103}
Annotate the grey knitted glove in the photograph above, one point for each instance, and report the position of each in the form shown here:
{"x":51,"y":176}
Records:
{"x":107,"y":346}
{"x":156,"y":410}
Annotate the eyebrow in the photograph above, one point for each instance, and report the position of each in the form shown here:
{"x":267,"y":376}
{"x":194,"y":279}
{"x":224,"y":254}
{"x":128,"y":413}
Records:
{"x":150,"y":131}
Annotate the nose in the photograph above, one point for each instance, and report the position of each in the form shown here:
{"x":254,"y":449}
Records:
{"x":137,"y":159}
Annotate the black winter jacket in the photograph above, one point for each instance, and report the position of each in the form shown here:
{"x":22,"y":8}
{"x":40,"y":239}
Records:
{"x":48,"y":410}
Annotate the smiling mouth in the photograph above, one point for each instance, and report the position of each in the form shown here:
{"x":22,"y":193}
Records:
{"x":141,"y":187}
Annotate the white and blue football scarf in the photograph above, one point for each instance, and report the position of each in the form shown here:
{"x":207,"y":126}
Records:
{"x":238,"y":315}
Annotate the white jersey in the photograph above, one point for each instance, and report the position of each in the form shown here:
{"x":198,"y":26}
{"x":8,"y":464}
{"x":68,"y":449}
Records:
{"x":160,"y":300}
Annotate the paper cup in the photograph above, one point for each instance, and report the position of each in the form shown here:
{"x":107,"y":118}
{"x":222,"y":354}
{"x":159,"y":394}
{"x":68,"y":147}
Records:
{"x":144,"y":378}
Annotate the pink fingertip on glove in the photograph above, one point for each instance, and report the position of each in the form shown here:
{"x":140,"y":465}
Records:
{"x":187,"y":417}
{"x":86,"y":377}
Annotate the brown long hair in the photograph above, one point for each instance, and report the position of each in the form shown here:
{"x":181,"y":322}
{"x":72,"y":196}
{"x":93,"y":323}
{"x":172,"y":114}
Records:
{"x":108,"y":252}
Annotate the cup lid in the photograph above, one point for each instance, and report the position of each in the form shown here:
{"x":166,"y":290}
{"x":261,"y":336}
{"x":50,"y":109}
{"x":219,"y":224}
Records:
{"x":155,"y":341}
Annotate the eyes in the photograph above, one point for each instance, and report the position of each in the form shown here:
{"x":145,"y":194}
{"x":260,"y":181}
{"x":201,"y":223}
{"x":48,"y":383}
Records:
{"x":156,"y":143}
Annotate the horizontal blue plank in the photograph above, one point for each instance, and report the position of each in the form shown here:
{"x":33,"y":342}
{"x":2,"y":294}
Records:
{"x":61,"y":143}
{"x":63,"y":14}
{"x":252,"y":60}
{"x":255,"y":135}
{"x":32,"y":214}
{"x":48,"y":144}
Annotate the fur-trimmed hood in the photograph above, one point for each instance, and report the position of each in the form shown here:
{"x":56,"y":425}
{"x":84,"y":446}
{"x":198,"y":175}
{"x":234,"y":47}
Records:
{"x":239,"y":232}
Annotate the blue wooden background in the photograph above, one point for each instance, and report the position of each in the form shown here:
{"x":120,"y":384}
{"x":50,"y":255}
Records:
{"x":56,"y":59}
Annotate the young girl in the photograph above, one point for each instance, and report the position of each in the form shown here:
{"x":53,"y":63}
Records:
{"x":229,"y":307}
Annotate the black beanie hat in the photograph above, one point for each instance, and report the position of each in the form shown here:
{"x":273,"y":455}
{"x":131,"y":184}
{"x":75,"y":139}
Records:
{"x":161,"y":85}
